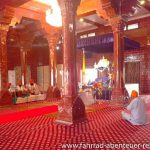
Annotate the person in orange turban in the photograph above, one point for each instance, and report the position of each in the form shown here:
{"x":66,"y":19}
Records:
{"x":33,"y":88}
{"x":134,"y":94}
{"x":20,"y":88}
{"x":136,"y":110}
{"x":31,"y":81}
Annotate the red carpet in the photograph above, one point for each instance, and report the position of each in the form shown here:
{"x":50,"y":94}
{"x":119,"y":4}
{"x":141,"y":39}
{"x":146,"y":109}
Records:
{"x":27,"y":113}
{"x":42,"y":133}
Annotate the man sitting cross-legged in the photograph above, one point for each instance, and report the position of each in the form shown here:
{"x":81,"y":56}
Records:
{"x":136,"y":110}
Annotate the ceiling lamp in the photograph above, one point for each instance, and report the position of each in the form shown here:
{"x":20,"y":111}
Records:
{"x":102,"y":64}
{"x":142,"y":2}
{"x":53,"y":15}
{"x":54,"y":18}
{"x":81,"y":20}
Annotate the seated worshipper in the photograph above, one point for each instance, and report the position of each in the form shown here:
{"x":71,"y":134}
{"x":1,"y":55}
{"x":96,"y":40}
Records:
{"x":20,"y":89}
{"x":11,"y":89}
{"x":33,"y":88}
{"x":136,"y":110}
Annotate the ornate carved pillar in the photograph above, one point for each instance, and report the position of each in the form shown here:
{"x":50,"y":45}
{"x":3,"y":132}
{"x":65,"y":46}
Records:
{"x":25,"y":39}
{"x":118,"y":90}
{"x":5,"y":19}
{"x":72,"y":108}
{"x":52,"y":58}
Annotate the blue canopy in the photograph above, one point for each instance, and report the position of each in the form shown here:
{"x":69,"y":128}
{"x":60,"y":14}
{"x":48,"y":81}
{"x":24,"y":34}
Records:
{"x":104,"y":43}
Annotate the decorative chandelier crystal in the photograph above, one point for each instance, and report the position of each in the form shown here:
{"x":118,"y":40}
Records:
{"x":102,"y":64}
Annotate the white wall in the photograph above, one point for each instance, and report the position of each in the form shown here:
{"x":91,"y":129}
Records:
{"x":12,"y":77}
{"x":43,"y":77}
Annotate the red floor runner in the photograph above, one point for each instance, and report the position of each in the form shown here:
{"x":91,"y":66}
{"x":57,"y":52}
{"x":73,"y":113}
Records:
{"x":27,"y":113}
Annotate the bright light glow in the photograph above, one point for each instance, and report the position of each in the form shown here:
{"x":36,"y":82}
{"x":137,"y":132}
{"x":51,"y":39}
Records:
{"x":91,"y":34}
{"x":53,"y":17}
{"x":57,"y":47}
{"x":133,"y":26}
{"x":81,"y":19}
{"x":103,"y":63}
{"x":90,"y":75}
{"x":148,"y":41}
{"x":142,"y":2}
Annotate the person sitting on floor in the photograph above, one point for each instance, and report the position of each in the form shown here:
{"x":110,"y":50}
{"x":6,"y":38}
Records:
{"x":20,"y":89}
{"x":33,"y":88}
{"x":9,"y":88}
{"x":136,"y":110}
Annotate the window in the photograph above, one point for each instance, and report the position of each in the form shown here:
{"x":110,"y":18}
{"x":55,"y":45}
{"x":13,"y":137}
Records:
{"x":83,"y":36}
{"x":133,"y":26}
{"x":87,"y":35}
{"x":91,"y":34}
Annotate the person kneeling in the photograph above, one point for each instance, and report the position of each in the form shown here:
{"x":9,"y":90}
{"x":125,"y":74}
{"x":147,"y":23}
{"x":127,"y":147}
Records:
{"x":136,"y":110}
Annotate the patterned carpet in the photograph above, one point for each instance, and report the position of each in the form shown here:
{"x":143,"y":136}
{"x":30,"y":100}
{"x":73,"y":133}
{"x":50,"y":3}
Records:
{"x":26,"y":106}
{"x":104,"y":125}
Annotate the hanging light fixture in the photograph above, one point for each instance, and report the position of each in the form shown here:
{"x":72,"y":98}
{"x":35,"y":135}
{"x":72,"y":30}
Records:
{"x":53,"y":15}
{"x":142,"y":2}
{"x":102,"y":64}
{"x":54,"y":18}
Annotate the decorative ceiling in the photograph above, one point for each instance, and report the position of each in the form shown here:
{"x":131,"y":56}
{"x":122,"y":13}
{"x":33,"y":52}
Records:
{"x":91,"y":20}
{"x":130,"y":10}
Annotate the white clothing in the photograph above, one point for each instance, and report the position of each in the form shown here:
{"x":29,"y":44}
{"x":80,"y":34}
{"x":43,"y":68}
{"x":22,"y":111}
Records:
{"x":34,"y":89}
{"x":11,"y":89}
{"x":137,"y":115}
{"x":20,"y":88}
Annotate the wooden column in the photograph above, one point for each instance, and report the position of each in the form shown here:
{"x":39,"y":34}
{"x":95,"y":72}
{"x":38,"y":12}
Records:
{"x":52,"y":58}
{"x":118,"y":90}
{"x":25,"y":39}
{"x":5,"y":19}
{"x":23,"y":65}
{"x":72,"y":108}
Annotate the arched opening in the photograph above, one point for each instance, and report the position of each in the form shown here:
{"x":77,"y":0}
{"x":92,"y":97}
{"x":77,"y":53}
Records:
{"x":38,"y":60}
{"x":28,"y":54}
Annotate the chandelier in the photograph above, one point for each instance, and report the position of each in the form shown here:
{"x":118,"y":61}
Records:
{"x":53,"y":15}
{"x":54,"y":18}
{"x":102,"y":64}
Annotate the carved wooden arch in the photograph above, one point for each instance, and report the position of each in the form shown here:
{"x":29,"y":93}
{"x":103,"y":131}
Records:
{"x":52,"y":33}
{"x":22,"y":36}
{"x":105,"y":9}
{"x":25,"y":32}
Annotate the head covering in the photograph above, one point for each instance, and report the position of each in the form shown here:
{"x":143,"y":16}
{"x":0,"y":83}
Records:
{"x":134,"y":93}
{"x":31,"y":81}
